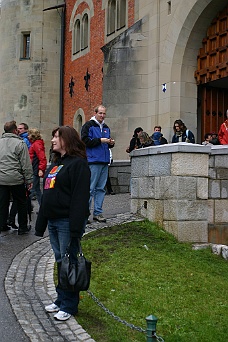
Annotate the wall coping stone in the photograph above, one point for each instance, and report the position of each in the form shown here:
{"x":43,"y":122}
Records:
{"x":121,"y":163}
{"x":219,"y":149}
{"x":172,"y":148}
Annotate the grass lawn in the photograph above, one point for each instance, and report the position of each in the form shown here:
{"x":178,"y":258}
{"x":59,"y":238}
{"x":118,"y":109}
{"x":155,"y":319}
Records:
{"x":140,"y":270}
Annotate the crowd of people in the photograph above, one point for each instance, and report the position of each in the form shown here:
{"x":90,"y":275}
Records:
{"x":76,"y":177}
{"x":141,"y":139}
{"x":21,"y":162}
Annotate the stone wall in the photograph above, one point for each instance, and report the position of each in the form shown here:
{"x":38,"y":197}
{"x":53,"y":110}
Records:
{"x":217,"y":195}
{"x":183,"y":187}
{"x":120,"y":175}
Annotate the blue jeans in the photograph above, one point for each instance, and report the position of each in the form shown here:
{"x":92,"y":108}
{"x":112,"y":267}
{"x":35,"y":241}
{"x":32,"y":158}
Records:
{"x":59,"y":234}
{"x":98,"y":179}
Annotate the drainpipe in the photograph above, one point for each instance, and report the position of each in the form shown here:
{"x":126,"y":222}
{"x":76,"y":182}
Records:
{"x":62,"y":16}
{"x":61,"y":67}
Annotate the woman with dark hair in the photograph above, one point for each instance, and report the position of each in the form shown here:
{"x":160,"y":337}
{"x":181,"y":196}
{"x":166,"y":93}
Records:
{"x":181,"y":133}
{"x":135,"y":142}
{"x":65,"y":208}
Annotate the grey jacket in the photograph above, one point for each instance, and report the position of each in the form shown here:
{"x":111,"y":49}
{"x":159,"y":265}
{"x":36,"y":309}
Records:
{"x":15,"y":164}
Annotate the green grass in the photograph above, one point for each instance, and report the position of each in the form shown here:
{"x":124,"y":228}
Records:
{"x":185,"y":289}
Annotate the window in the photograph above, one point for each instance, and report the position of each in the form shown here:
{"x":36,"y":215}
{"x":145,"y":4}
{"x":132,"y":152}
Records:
{"x":25,"y":50}
{"x":77,"y":34}
{"x":116,"y":16}
{"x":85,"y":31}
{"x":81,"y":35}
{"x":121,"y":14}
{"x":111,"y":16}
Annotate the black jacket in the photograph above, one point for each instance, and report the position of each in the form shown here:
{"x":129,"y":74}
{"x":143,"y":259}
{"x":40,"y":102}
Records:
{"x":66,"y":194}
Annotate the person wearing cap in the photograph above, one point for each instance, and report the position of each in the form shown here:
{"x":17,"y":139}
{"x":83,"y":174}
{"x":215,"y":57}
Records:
{"x":223,"y":131}
{"x":162,"y":140}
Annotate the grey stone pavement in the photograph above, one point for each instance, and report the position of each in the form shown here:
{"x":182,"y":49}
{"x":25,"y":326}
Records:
{"x":26,"y":276}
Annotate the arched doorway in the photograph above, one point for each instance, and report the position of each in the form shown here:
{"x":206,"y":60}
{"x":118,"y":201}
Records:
{"x":212,"y":75}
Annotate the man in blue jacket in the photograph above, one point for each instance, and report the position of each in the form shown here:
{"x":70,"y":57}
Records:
{"x":96,"y":135}
{"x":23,"y":133}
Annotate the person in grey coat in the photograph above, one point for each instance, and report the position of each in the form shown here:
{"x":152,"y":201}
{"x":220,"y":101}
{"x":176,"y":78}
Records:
{"x":15,"y":175}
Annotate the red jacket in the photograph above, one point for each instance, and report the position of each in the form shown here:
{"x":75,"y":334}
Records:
{"x":37,"y":156}
{"x":223,"y":133}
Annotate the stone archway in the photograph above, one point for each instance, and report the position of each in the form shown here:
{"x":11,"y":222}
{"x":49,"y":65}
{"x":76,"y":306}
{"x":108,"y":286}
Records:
{"x":212,"y":74}
{"x":184,"y":62}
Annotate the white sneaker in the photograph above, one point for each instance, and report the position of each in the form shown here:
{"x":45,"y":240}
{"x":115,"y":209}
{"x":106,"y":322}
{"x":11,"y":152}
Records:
{"x":52,"y":308}
{"x":62,"y":316}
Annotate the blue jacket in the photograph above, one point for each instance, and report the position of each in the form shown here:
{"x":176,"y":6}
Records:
{"x":24,"y":136}
{"x":91,"y":134}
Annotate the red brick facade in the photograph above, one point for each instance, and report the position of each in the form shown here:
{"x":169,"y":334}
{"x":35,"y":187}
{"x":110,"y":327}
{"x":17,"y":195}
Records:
{"x":93,"y":61}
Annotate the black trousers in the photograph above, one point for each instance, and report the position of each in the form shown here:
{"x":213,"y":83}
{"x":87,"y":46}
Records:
{"x":109,"y":185}
{"x":19,"y":196}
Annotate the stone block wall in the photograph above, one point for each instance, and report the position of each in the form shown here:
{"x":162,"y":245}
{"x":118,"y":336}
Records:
{"x":218,"y":195}
{"x":182,"y":187}
{"x":120,"y":175}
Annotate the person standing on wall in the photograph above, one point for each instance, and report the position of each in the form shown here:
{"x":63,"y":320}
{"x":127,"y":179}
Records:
{"x":38,"y":159}
{"x":223,"y":131}
{"x":97,"y":138}
{"x":181,"y":133}
{"x":15,"y":175}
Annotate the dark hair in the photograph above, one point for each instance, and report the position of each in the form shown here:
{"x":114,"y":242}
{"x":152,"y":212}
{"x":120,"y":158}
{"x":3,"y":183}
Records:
{"x":10,"y":127}
{"x":25,"y":125}
{"x":181,"y":125}
{"x":137,"y":130}
{"x":74,"y":146}
{"x":206,"y":136}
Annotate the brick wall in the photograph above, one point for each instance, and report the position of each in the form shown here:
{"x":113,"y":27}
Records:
{"x":93,"y":61}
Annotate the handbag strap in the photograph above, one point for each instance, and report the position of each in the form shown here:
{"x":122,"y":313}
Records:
{"x":79,"y":247}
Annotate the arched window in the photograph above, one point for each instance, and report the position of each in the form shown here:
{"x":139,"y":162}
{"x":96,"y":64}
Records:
{"x":80,"y":36}
{"x":85,"y":31}
{"x":116,"y":15}
{"x":77,"y":34}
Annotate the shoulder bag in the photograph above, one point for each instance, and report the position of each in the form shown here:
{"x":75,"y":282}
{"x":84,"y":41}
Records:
{"x":74,"y":276}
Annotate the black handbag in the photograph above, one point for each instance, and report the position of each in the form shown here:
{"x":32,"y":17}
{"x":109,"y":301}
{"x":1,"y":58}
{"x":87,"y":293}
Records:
{"x":74,"y":276}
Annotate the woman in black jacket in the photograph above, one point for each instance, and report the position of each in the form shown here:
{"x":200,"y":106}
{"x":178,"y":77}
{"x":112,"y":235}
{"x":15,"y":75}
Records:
{"x":181,"y":133}
{"x":65,"y":208}
{"x":135,"y":142}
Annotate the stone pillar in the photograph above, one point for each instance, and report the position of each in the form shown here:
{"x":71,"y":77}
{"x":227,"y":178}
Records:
{"x":169,"y":185}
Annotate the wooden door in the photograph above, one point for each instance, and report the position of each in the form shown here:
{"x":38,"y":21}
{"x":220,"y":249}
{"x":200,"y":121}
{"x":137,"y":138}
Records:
{"x":213,"y":112}
{"x":212,"y":75}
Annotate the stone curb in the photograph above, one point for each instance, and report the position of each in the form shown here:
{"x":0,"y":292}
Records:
{"x":29,"y":286}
